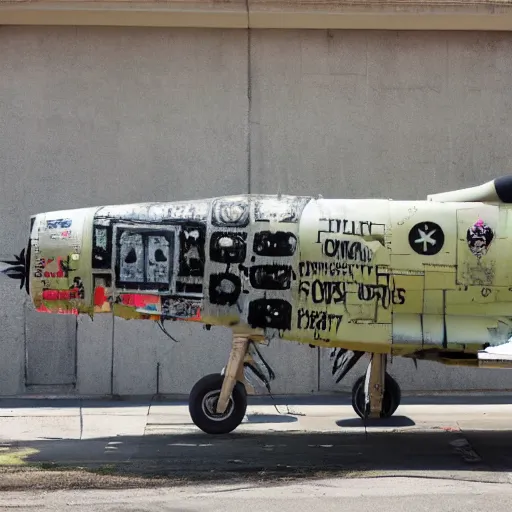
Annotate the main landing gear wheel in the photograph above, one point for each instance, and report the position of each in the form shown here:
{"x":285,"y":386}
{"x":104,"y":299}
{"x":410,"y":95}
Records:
{"x":390,"y":400}
{"x":202,"y":405}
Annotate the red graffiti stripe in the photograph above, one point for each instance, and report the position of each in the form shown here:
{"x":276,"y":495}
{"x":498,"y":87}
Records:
{"x":51,"y":295}
{"x":139,"y":301}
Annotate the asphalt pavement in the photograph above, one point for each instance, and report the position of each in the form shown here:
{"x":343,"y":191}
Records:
{"x":328,"y":495}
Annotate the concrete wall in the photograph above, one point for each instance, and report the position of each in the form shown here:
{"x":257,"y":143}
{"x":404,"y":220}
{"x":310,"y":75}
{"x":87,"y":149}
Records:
{"x":92,"y":116}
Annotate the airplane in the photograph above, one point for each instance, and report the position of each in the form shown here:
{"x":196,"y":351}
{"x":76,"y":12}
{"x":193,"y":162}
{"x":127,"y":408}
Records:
{"x":427,"y":279}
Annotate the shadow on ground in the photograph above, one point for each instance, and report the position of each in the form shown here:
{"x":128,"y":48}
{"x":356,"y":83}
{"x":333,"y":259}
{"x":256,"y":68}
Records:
{"x":394,"y":421}
{"x":149,"y":460}
{"x":270,"y":418}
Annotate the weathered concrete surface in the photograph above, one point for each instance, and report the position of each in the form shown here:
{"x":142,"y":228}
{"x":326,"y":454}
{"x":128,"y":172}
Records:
{"x":94,"y":354}
{"x":90,"y":116}
{"x":353,"y":495}
{"x":153,"y":443}
{"x":94,"y":116}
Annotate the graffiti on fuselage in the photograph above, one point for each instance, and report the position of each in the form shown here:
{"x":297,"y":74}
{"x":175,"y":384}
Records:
{"x":270,"y":263}
{"x":345,"y":271}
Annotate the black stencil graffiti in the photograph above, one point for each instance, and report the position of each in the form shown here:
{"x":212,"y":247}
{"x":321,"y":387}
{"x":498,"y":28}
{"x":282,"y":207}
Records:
{"x":224,"y":289}
{"x":230,"y":213}
{"x":347,"y":250}
{"x":144,"y":259}
{"x":102,"y":247}
{"x":352,"y":271}
{"x":131,"y":258}
{"x":196,"y":288}
{"x":157,"y":259}
{"x":191,"y":258}
{"x":228,"y":247}
{"x":270,"y":313}
{"x":330,"y":292}
{"x":280,"y":243}
{"x":318,"y":320}
{"x":271,"y":277}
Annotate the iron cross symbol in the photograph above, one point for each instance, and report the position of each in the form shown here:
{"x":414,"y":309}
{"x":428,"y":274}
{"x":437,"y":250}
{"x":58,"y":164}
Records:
{"x":426,"y":238}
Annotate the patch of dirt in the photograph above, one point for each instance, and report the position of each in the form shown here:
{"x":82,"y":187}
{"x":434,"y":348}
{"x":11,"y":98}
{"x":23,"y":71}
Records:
{"x":58,"y":478}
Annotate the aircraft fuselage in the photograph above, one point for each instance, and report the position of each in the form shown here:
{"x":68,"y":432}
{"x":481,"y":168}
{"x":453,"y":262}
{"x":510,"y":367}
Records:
{"x":375,"y":275}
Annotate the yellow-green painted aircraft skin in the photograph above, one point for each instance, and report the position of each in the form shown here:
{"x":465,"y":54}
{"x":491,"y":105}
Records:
{"x":375,"y":275}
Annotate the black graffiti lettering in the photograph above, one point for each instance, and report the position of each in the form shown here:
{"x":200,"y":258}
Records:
{"x":346,"y":227}
{"x":330,"y":292}
{"x":39,"y":267}
{"x":317,"y":320}
{"x":317,"y":292}
{"x":384,"y":295}
{"x":352,"y":271}
{"x":304,"y":287}
{"x":347,"y":250}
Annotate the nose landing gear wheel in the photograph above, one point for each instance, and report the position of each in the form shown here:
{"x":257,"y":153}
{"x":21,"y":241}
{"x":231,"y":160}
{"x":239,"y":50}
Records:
{"x":202,"y":405}
{"x":390,"y":400}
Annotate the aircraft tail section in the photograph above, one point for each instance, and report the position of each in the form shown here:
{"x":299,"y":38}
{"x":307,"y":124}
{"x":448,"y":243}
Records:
{"x":498,"y":190}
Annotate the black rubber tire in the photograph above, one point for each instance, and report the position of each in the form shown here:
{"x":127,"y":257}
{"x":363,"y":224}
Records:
{"x":390,"y":402}
{"x":235,"y":412}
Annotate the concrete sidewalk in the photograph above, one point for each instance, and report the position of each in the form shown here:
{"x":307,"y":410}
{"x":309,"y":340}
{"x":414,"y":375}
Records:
{"x":468,"y":435}
{"x":38,"y":419}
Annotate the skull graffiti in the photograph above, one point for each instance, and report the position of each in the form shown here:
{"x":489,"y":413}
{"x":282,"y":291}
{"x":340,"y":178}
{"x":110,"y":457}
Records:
{"x":479,"y":236}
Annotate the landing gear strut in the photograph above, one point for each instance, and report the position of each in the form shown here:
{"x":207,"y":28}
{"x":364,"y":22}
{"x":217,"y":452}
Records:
{"x":217,"y":403}
{"x":376,"y":394}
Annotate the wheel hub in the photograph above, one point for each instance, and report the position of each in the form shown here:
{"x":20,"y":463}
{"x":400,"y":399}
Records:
{"x":209,"y":406}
